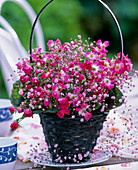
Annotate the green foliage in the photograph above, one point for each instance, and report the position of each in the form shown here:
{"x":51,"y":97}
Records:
{"x":54,"y":111}
{"x":60,"y":20}
{"x":65,"y":19}
{"x":98,"y":23}
{"x":114,"y":102}
{"x":16,"y":99}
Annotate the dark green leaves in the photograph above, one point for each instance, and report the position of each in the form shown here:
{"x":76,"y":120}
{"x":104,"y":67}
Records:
{"x":117,"y":101}
{"x":16,"y":99}
{"x":53,"y":111}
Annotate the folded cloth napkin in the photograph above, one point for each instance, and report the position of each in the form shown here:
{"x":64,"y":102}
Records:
{"x":29,"y":135}
{"x":119,"y":135}
{"x":120,"y":131}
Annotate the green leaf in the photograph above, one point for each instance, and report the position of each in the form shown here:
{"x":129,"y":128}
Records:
{"x":16,"y":84}
{"x":52,"y":111}
{"x":50,"y":92}
{"x":87,"y":74}
{"x":118,"y":96}
{"x":28,"y":82}
{"x":15,"y":98}
{"x":50,"y":105}
{"x":83,"y":80}
{"x":114,"y":102}
{"x":47,"y":111}
{"x":97,"y":105}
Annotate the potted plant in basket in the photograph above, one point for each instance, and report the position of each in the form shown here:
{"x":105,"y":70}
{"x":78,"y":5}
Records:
{"x":72,"y":87}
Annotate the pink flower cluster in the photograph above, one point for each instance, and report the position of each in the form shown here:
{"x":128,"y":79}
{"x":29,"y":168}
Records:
{"x":73,"y":75}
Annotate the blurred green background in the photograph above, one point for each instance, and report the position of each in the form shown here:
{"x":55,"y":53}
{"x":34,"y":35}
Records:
{"x":65,"y":19}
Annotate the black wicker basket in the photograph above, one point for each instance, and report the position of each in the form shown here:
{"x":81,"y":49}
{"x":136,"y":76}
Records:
{"x":69,"y":139}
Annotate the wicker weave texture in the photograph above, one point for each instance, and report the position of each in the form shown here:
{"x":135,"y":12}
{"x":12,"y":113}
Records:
{"x":70,"y":139}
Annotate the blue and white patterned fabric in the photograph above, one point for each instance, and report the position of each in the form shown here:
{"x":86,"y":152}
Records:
{"x":8,"y":154}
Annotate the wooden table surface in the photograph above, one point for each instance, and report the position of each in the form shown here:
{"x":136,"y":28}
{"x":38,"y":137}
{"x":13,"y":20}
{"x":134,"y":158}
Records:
{"x":114,"y":160}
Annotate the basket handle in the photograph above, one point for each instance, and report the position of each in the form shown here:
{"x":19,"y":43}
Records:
{"x":109,"y":10}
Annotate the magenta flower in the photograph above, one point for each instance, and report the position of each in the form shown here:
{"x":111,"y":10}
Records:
{"x":50,"y":43}
{"x":87,"y":65}
{"x":38,"y":50}
{"x":119,"y":67}
{"x":21,"y":92}
{"x":38,"y":71}
{"x":35,"y":81}
{"x":100,"y":44}
{"x":108,"y":83}
{"x":82,"y":111}
{"x":14,"y":125}
{"x":12,"y":109}
{"x":27,"y":69}
{"x":28,"y":113}
{"x":63,"y":103}
{"x":19,"y":110}
{"x":62,"y":112}
{"x":45,"y":75}
{"x":81,"y":77}
{"x":46,"y":102}
{"x":24,"y":79}
{"x":91,"y":56}
{"x":56,"y":92}
{"x":19,"y":65}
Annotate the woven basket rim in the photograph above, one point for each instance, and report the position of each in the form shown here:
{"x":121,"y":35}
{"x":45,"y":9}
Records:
{"x":76,"y":118}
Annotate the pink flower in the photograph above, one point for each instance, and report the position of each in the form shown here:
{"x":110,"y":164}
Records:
{"x":38,"y":50}
{"x":82,"y":111}
{"x":81,"y":77}
{"x":88,"y":116}
{"x":12,"y":109}
{"x":91,"y":56}
{"x":101,"y":45}
{"x":24,"y":79}
{"x":38,"y":71}
{"x":50,"y":43}
{"x":77,"y":90}
{"x":55,"y":92}
{"x":35,"y":81}
{"x":45,"y":75}
{"x":62,"y":112}
{"x":57,"y":42}
{"x":108,"y":83}
{"x":28,"y":113}
{"x":79,"y":36}
{"x":46,"y":102}
{"x":87,"y":65}
{"x":21,"y":92}
{"x":119,"y":67}
{"x":14,"y":125}
{"x":19,"y":65}
{"x":19,"y":110}
{"x":27,"y":69}
{"x":63,"y":103}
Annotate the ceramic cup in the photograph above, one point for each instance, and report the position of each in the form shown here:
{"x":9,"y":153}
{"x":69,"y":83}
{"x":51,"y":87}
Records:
{"x":5,"y":117}
{"x":8,"y":153}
